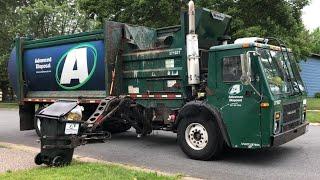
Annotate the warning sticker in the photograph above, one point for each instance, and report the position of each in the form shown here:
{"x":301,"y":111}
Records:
{"x":133,"y":90}
{"x":171,"y":83}
{"x":170,"y":63}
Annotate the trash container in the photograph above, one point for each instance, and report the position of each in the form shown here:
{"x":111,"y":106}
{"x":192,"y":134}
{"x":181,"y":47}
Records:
{"x":60,"y":130}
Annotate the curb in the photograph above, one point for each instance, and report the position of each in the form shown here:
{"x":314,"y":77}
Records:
{"x":315,"y":124}
{"x":9,"y":109}
{"x":93,"y":160}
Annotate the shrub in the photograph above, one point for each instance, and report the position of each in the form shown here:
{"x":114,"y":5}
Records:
{"x":317,"y":95}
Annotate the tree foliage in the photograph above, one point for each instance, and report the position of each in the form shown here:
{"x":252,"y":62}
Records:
{"x":315,"y":41}
{"x":7,"y":22}
{"x":36,"y":19}
{"x":263,"y":18}
{"x":142,"y":12}
{"x":44,"y":18}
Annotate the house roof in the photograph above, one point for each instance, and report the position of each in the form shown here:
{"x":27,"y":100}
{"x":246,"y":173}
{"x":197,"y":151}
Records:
{"x":315,"y":55}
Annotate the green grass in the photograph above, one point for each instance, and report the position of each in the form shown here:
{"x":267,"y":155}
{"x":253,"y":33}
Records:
{"x":313,"y":104}
{"x":9,"y":105}
{"x":85,"y":171}
{"x":313,"y":117}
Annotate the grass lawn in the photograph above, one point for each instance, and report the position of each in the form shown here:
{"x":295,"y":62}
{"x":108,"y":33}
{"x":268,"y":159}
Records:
{"x":79,"y":170}
{"x":8,"y":105}
{"x":313,"y":117}
{"x":313,"y":103}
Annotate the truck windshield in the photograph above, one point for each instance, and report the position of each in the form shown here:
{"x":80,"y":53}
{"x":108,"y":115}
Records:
{"x":298,"y":83}
{"x":281,"y":72}
{"x":273,"y":72}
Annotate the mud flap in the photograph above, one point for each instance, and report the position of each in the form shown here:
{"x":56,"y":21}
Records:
{"x":26,"y":114}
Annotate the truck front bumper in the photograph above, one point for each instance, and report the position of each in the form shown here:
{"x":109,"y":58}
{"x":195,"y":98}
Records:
{"x":289,"y":135}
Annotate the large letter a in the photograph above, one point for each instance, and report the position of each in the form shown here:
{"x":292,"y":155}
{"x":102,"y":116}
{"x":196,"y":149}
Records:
{"x":76,"y":57}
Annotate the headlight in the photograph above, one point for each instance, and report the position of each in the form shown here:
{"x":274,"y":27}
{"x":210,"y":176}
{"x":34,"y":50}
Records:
{"x":276,"y":119}
{"x":277,"y":116}
{"x":75,"y":114}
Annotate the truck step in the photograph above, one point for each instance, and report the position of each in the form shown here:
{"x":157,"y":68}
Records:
{"x":100,"y":111}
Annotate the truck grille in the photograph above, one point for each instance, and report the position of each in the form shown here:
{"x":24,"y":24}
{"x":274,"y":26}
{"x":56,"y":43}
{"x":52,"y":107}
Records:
{"x":291,"y":112}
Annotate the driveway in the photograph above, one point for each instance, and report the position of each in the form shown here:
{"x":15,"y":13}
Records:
{"x":298,"y":159}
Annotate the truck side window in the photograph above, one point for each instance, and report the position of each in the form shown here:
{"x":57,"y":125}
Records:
{"x":231,"y":69}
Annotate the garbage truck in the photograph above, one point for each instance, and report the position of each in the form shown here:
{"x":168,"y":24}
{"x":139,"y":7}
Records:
{"x":188,"y":79}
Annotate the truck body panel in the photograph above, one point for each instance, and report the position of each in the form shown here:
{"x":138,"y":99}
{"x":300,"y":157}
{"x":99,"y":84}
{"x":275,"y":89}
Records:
{"x":49,"y":67}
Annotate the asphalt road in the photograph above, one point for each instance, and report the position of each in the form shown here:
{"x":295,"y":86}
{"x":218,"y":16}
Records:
{"x":298,"y":159}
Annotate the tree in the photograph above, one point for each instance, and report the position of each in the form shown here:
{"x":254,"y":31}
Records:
{"x":38,"y":19}
{"x":270,"y":18}
{"x":7,"y":21}
{"x":263,"y":18}
{"x":45,"y":18}
{"x":143,"y":12}
{"x":315,"y":41}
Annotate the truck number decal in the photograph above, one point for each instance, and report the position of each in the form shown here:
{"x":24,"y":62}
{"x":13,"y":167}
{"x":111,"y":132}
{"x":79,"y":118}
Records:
{"x":174,"y":53}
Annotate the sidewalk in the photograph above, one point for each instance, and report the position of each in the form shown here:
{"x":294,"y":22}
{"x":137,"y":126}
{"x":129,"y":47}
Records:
{"x":14,"y":159}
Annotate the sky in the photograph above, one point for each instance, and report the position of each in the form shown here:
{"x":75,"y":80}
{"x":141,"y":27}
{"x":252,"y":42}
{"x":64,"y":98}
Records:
{"x":311,"y":15}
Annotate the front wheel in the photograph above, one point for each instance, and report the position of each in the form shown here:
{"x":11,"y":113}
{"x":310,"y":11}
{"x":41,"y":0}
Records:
{"x":200,"y":138}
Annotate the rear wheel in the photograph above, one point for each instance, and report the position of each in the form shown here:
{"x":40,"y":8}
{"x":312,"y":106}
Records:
{"x":200,"y":138}
{"x":37,"y":123}
{"x":116,"y":127}
{"x":26,"y":114}
{"x":37,"y":126}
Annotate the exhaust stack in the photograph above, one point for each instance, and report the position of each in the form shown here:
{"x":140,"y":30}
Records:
{"x":192,"y":17}
{"x":193,"y":48}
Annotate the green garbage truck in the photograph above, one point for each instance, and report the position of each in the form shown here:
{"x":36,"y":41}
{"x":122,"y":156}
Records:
{"x":188,"y":79}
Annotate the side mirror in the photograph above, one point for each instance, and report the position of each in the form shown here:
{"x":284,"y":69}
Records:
{"x":246,"y":68}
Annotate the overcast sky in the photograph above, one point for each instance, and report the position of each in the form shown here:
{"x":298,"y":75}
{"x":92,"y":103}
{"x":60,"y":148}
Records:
{"x":311,"y":15}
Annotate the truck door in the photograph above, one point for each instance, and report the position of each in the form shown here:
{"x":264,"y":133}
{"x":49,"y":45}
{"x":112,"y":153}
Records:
{"x":239,"y":104}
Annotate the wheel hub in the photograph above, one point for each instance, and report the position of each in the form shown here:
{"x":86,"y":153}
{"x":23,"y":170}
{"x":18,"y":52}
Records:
{"x":196,"y":136}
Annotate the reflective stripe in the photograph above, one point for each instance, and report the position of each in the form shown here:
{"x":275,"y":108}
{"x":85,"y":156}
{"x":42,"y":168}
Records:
{"x":156,"y":96}
{"x":54,"y":100}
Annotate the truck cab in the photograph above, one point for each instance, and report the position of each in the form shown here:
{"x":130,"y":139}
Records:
{"x":264,"y":111}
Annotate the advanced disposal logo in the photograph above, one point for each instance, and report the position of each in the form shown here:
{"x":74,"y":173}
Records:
{"x":235,"y":100}
{"x":235,"y":89}
{"x":76,"y":67}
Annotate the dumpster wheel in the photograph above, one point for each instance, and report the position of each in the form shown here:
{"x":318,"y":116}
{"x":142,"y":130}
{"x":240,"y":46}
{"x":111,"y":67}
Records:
{"x":58,"y":161}
{"x":38,"y":159}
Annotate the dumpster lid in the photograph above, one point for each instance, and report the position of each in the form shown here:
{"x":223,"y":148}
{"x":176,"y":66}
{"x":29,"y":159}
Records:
{"x":59,"y":108}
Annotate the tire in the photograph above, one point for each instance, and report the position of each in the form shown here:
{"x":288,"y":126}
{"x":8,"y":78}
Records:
{"x":36,"y":123}
{"x":37,"y":126}
{"x":26,"y":114}
{"x":200,"y":138}
{"x":58,"y":161}
{"x":115,"y":127}
{"x":38,"y":159}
